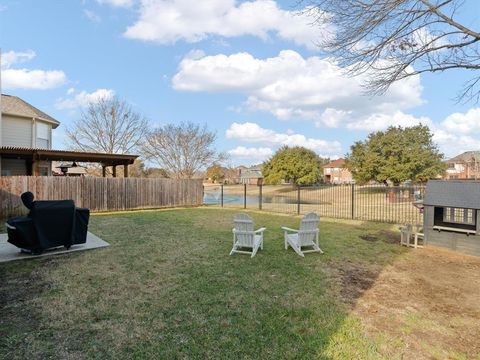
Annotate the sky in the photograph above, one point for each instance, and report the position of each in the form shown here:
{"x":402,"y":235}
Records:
{"x":250,"y":70}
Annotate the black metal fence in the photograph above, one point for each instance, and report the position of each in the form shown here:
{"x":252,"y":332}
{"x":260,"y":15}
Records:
{"x":393,"y":204}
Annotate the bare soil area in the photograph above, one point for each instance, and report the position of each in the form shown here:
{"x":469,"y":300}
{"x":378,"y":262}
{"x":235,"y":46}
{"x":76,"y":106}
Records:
{"x":428,"y":303}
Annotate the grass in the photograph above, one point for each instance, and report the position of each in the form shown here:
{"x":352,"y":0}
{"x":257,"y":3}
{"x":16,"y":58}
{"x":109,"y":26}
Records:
{"x":167,"y":289}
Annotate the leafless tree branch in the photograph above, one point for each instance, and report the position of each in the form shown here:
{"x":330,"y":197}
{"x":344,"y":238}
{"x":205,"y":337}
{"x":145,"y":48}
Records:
{"x":108,"y":125}
{"x":396,"y":39}
{"x":181,"y":149}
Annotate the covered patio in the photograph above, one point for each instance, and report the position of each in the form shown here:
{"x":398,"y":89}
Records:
{"x":33,"y":157}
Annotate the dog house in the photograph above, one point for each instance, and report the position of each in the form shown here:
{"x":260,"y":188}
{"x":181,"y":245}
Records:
{"x":452,"y":215}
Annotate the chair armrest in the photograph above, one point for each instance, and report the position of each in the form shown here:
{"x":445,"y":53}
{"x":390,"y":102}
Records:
{"x":288,"y":229}
{"x":243,"y":232}
{"x":261,"y":230}
{"x":10,"y":226}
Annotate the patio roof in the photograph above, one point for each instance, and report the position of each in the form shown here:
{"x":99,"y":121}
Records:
{"x":67,"y":155}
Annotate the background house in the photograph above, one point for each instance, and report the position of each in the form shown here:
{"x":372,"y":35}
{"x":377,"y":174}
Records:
{"x":251,"y":176}
{"x":335,"y":172}
{"x":464,"y":166}
{"x":23,"y":125}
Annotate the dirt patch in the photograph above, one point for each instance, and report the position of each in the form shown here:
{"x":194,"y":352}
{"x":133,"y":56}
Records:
{"x":369,"y":237}
{"x":352,"y":279}
{"x":430,"y":301}
{"x":389,"y":236}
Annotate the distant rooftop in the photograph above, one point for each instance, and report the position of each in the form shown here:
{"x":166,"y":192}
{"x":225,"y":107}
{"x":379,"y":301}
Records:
{"x":13,"y":105}
{"x":467,"y":156}
{"x":339,"y":163}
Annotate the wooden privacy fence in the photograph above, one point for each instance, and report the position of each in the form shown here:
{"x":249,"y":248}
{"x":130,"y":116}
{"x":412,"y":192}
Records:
{"x":100,"y":194}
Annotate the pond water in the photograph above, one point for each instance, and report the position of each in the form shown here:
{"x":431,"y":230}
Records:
{"x":213,"y":198}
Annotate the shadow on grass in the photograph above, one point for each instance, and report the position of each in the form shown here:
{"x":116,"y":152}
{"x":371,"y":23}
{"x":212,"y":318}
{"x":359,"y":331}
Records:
{"x":167,"y":288}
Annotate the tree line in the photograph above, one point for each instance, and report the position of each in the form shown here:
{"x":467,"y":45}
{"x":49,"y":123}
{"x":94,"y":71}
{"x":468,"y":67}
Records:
{"x":392,"y":156}
{"x":110,"y":125}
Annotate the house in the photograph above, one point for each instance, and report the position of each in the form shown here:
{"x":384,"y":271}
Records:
{"x":464,"y":166}
{"x":335,"y":172}
{"x":251,"y":176}
{"x":68,"y":169}
{"x":24,"y":126}
{"x":26,"y":142}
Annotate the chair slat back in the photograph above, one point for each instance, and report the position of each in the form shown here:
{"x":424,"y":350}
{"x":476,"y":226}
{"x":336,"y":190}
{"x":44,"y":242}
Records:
{"x":308,"y":228}
{"x":243,"y":223}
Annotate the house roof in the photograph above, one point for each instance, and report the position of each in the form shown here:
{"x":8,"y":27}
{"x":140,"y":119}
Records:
{"x":451,"y":193}
{"x":13,"y":105}
{"x":251,"y":174}
{"x":467,"y":156}
{"x":339,"y":163}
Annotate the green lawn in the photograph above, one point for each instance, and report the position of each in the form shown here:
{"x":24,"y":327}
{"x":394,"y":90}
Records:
{"x":167,"y":289}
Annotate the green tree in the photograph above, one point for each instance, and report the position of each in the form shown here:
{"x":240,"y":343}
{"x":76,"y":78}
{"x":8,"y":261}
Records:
{"x":297,"y":165}
{"x":216,"y":173}
{"x":397,"y":154}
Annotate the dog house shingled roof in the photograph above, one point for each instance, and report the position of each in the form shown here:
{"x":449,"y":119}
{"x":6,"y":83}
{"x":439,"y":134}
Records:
{"x":458,"y":194}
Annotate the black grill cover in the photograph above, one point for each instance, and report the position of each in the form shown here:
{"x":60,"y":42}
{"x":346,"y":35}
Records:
{"x":82,"y":216}
{"x":49,"y":224}
{"x":54,"y":222}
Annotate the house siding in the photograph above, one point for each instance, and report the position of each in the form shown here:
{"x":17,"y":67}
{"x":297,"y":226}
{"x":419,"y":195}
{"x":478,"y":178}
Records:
{"x":16,"y":131}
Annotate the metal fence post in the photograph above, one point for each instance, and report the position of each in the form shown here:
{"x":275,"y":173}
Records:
{"x":260,"y":196}
{"x":353,"y":201}
{"x":244,"y":196}
{"x":298,"y":200}
{"x":221,"y":195}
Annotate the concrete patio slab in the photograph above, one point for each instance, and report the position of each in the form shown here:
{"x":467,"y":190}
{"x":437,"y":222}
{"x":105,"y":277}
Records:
{"x":8,"y":252}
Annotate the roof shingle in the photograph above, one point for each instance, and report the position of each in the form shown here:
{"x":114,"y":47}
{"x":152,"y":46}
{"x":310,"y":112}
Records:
{"x":13,"y":105}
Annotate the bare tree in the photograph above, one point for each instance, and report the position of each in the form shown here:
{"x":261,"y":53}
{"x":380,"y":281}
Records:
{"x":181,"y":149}
{"x":395,"y":39}
{"x":108,"y":125}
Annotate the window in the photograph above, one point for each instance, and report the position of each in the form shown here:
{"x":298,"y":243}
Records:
{"x":459,"y":215}
{"x":43,"y":140}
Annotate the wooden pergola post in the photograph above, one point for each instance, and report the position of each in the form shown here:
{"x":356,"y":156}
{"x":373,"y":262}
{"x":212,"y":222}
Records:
{"x":125,"y":170}
{"x":114,"y":170}
{"x":35,"y":165}
{"x":104,"y":171}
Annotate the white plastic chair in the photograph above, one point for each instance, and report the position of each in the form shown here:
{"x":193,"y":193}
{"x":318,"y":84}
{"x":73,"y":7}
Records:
{"x":245,"y":237}
{"x":411,"y":233}
{"x":307,"y":235}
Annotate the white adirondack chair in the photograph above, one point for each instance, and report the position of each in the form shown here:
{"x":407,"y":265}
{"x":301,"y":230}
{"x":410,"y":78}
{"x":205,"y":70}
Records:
{"x":245,"y":237}
{"x":307,"y":235}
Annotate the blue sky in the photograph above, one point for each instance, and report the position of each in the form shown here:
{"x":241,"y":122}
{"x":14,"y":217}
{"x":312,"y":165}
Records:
{"x":247,"y":69}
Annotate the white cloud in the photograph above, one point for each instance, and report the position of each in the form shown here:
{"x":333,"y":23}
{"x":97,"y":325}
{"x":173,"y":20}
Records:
{"x":83,"y":98}
{"x":117,"y":3}
{"x":32,"y":79}
{"x":377,"y":122}
{"x":12,"y":57}
{"x":25,"y":78}
{"x":92,"y":16}
{"x":290,"y":86}
{"x":465,"y":123}
{"x":253,"y":133}
{"x":458,"y":132}
{"x":251,"y":153}
{"x":168,"y":21}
